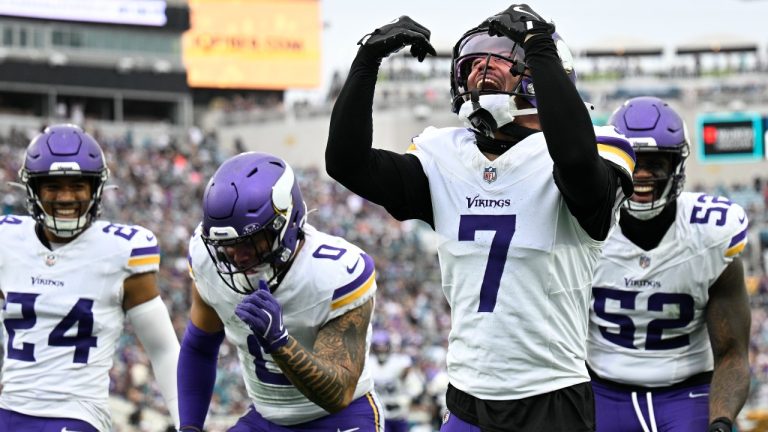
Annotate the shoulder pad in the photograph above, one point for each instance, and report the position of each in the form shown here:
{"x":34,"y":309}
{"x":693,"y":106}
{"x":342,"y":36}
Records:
{"x":432,"y":133}
{"x":737,"y":225}
{"x":724,"y":222}
{"x":616,"y":148}
{"x":145,"y":251}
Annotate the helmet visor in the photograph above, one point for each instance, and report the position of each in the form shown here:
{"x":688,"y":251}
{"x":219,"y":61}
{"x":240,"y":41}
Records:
{"x":482,"y":42}
{"x":480,"y":47}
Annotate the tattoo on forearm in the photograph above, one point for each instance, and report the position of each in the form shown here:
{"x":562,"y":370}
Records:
{"x":328,"y":374}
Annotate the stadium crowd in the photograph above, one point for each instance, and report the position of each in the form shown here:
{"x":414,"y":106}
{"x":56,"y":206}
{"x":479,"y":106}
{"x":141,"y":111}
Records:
{"x":160,"y":184}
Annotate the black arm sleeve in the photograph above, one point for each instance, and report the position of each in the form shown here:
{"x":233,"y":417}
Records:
{"x":588,"y":182}
{"x":395,"y":181}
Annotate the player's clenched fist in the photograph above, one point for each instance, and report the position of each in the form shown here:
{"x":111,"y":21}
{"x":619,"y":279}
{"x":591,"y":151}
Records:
{"x":263,"y":314}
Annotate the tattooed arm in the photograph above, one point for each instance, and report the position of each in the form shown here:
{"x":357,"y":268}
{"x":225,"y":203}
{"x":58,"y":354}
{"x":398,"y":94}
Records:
{"x":328,"y":373}
{"x":728,"y":322}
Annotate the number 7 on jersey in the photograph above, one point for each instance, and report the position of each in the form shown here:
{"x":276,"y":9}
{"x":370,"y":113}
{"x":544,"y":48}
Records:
{"x":504,"y":228}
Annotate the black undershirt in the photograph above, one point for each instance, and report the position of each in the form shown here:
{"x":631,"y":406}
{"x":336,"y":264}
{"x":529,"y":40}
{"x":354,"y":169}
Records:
{"x":398,"y":183}
{"x":647,"y":234}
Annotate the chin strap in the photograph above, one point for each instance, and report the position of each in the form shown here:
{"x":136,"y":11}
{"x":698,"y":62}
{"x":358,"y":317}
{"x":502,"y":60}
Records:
{"x":480,"y":118}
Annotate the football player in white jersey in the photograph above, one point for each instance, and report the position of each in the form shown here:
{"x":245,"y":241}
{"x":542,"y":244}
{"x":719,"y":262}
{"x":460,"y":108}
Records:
{"x":295,"y":302}
{"x":389,"y":370}
{"x":670,"y":318}
{"x":68,"y":281}
{"x":522,"y":199}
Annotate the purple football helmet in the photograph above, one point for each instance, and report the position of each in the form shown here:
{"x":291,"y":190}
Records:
{"x":655,"y":131}
{"x":477,"y":44}
{"x":252,"y":203}
{"x":381,"y":344}
{"x":64,"y":150}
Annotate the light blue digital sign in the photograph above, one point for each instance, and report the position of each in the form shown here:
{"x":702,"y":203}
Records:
{"x":730,"y":137}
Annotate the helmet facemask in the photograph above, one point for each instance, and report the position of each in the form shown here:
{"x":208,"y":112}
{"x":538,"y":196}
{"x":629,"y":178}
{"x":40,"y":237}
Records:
{"x":62,"y":226}
{"x":63,"y":152}
{"x":242,"y":261}
{"x":663,"y":186}
{"x":483,"y":104}
{"x":253,"y":219}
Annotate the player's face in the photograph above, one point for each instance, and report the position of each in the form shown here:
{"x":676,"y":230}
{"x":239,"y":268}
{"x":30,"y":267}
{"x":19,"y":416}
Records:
{"x":650,"y":168}
{"x":65,"y":197}
{"x":250,"y":254}
{"x":496,"y":76}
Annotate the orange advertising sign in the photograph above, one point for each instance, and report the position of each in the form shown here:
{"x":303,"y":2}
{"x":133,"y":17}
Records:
{"x":253,"y":44}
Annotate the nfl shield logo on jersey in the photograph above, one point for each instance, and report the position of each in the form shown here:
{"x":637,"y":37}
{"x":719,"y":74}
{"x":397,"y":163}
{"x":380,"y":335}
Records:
{"x":50,"y":260}
{"x":645,"y":261}
{"x":489,"y":174}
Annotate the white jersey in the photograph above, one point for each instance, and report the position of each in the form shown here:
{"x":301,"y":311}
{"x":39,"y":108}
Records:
{"x":388,"y":379}
{"x":63,"y":315}
{"x":516,"y":265}
{"x":328,"y":278}
{"x":647,"y":324}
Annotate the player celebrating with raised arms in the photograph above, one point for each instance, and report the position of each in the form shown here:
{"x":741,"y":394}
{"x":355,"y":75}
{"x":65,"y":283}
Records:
{"x":68,"y":281}
{"x":522,"y":199}
{"x":295,"y":302}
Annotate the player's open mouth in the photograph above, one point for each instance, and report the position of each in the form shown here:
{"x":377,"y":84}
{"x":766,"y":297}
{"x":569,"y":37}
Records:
{"x":643,"y":193}
{"x":488,"y":83}
{"x":66,"y":213}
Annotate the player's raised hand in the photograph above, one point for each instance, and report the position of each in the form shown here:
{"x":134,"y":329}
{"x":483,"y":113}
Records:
{"x":263,"y":314}
{"x":400,"y":33}
{"x":517,"y":22}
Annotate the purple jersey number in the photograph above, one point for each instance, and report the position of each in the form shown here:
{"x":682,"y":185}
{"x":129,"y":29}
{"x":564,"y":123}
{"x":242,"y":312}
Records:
{"x":80,"y":315}
{"x":504,"y":227}
{"x":121,"y":231}
{"x":711,"y":206}
{"x":654,"y":335}
{"x":27,"y":321}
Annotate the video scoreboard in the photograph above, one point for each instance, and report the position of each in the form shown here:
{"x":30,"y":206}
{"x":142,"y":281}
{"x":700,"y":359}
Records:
{"x":731,"y":137}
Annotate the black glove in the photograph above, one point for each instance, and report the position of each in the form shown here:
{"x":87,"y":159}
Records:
{"x":517,"y":22}
{"x":721,"y":424}
{"x":394,"y":36}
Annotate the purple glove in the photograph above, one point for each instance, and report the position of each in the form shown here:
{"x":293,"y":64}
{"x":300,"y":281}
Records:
{"x":261,"y":311}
